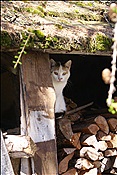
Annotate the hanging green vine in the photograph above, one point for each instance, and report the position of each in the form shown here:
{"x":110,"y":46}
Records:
{"x":22,"y":51}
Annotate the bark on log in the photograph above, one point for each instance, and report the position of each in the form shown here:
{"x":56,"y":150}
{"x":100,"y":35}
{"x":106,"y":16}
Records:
{"x":97,"y":152}
{"x":65,"y":127}
{"x":89,"y":140}
{"x":63,"y":165}
{"x":87,"y":127}
{"x":71,"y":172}
{"x":106,"y":164}
{"x":110,"y":152}
{"x":102,"y":123}
{"x":103,"y":136}
{"x":113,"y":142}
{"x":112,"y":124}
{"x":75,"y":140}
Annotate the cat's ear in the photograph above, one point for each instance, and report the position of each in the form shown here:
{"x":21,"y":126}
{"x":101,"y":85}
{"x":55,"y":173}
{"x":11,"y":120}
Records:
{"x":52,"y":62}
{"x":68,"y":64}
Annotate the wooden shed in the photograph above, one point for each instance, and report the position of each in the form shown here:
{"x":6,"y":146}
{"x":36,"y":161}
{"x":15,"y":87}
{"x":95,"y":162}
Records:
{"x":62,"y":30}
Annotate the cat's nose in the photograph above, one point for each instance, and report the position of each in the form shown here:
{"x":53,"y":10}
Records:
{"x":59,"y":78}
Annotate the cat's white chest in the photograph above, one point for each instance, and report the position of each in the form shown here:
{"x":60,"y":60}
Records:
{"x":60,"y":105}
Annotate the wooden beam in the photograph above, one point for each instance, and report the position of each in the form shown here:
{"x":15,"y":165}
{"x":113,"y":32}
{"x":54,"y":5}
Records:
{"x":38,"y":122}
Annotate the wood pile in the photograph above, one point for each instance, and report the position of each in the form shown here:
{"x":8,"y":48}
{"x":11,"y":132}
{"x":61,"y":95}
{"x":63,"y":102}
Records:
{"x":87,"y":146}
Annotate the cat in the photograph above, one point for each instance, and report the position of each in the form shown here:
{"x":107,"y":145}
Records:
{"x":60,"y":74}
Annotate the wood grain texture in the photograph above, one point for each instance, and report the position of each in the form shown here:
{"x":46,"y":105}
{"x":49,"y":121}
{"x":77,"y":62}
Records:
{"x":38,"y":120}
{"x":37,"y":81}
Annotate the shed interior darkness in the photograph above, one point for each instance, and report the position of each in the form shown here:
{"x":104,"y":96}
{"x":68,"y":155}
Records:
{"x":85,"y":85}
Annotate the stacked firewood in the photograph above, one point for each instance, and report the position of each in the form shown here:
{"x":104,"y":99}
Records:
{"x":88,"y":147}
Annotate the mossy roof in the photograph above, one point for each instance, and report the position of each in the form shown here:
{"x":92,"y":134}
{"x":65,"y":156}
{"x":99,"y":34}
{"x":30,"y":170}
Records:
{"x":57,"y":26}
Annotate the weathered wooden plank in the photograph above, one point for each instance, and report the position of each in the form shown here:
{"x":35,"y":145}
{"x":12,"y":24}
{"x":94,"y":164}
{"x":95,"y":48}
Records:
{"x":6,"y":166}
{"x":39,"y":98}
{"x":40,"y":95}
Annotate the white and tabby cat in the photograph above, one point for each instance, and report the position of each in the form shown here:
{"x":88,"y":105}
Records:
{"x":60,"y":75}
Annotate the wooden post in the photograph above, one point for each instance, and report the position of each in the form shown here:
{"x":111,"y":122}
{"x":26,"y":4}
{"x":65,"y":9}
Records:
{"x":37,"y":109}
{"x":6,"y":166}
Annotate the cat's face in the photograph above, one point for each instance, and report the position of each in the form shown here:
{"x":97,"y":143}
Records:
{"x":60,"y":73}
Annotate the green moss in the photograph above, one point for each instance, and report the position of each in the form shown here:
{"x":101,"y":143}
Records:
{"x":100,"y":42}
{"x":59,"y":26}
{"x":38,"y":33}
{"x":54,"y":14}
{"x":5,"y":39}
{"x":37,"y":10}
{"x":79,"y":3}
{"x":40,"y":8}
{"x":76,"y":15}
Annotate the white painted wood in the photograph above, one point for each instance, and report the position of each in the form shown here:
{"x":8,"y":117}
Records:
{"x":41,"y":128}
{"x":6,"y":166}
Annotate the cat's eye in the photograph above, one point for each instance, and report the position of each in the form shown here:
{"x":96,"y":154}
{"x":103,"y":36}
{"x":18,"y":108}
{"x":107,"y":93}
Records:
{"x":56,"y":73}
{"x":64,"y":73}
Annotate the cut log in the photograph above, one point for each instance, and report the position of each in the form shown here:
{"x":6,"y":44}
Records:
{"x":115,"y":163}
{"x":65,"y":127}
{"x":63,"y":165}
{"x":83,"y":164}
{"x":112,"y":124}
{"x":113,"y":142}
{"x":102,"y":145}
{"x":91,"y":129}
{"x":71,"y":172}
{"x":20,"y":146}
{"x":103,"y":136}
{"x":101,"y":155}
{"x":92,"y":171}
{"x":102,"y":123}
{"x":75,"y":140}
{"x":106,"y":164}
{"x":97,"y":164}
{"x":113,"y":171}
{"x":86,"y":127}
{"x":89,"y":140}
{"x":110,"y":152}
{"x":89,"y":153}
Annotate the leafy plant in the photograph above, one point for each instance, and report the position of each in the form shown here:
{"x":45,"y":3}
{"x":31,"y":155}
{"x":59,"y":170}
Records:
{"x":113,"y":107}
{"x":22,"y":51}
